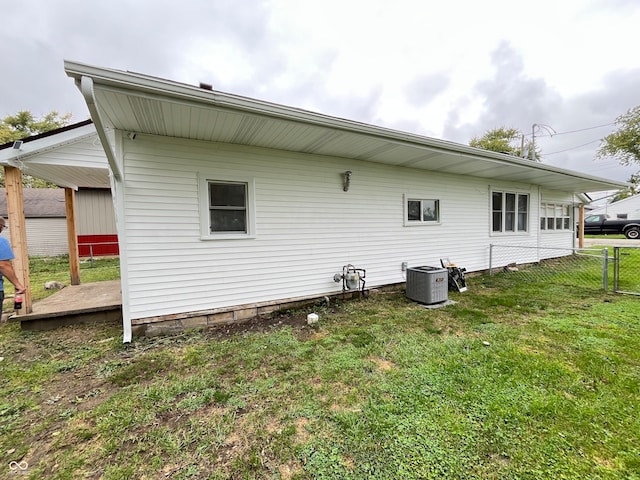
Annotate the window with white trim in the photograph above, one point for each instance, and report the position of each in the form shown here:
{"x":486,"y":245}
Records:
{"x":227,"y":208}
{"x":509,"y":212}
{"x":421,"y":211}
{"x":555,"y":216}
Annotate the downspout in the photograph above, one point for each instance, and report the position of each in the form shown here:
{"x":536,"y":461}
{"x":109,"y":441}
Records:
{"x":86,"y":88}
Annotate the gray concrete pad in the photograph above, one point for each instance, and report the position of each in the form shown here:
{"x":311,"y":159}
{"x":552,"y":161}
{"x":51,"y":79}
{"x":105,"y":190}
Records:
{"x":90,"y":302}
{"x":611,"y":242}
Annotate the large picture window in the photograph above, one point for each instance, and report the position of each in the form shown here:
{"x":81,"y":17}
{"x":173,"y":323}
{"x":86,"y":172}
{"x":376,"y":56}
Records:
{"x":509,"y":212}
{"x":227,"y":208}
{"x":421,"y":211}
{"x":555,"y":216}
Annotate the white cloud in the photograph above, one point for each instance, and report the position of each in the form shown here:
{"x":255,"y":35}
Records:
{"x":447,"y":69}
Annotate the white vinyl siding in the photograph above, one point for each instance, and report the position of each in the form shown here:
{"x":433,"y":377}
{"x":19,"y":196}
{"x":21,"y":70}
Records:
{"x":306,"y":226}
{"x":629,"y":206}
{"x":46,"y":237}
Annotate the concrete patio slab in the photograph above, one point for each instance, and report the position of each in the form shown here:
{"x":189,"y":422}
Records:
{"x":90,"y":302}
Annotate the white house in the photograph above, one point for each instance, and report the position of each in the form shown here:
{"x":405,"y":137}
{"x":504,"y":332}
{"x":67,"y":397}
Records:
{"x":627,"y":208}
{"x":229,"y":206}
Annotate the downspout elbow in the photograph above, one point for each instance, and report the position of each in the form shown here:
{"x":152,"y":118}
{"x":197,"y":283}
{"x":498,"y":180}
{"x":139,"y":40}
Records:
{"x":86,"y":88}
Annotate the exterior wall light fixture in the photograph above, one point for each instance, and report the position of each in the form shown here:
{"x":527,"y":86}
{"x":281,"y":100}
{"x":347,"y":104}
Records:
{"x":347,"y":180}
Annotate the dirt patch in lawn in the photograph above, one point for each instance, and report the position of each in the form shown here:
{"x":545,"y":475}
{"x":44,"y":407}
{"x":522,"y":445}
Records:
{"x":297,"y":322}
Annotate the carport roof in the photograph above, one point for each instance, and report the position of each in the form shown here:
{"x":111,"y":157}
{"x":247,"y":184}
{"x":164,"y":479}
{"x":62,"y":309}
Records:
{"x":139,"y":103}
{"x":70,"y":156}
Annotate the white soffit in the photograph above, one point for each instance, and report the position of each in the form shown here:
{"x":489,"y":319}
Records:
{"x":72,"y":158}
{"x":142,"y":104}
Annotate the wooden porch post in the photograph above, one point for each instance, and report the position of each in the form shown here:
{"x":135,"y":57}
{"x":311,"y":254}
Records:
{"x":18,"y":233}
{"x":72,"y":237}
{"x":581,"y":226}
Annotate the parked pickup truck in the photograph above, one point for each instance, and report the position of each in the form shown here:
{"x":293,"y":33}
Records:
{"x":603,"y":224}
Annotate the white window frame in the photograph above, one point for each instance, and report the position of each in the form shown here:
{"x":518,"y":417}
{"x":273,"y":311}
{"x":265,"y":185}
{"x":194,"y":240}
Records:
{"x":203,"y":192}
{"x":553,"y":218}
{"x":503,"y":212}
{"x":421,"y":198}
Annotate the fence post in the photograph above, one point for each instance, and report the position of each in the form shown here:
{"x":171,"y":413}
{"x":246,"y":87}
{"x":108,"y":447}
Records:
{"x":616,"y":267}
{"x":490,"y":259}
{"x":605,"y":269}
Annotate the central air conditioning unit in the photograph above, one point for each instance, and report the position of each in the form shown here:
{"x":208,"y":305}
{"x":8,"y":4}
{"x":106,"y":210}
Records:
{"x":428,"y":285}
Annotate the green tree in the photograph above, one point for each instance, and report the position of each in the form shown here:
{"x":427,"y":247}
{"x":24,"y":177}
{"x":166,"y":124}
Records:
{"x":503,"y":140}
{"x":624,"y":143}
{"x":23,"y":124}
{"x":634,"y":189}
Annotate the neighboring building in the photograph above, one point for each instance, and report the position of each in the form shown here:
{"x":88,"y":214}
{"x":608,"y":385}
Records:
{"x":46,"y":223}
{"x":96,"y":223}
{"x":626,"y":209}
{"x":228,"y":207}
{"x":45,"y":220}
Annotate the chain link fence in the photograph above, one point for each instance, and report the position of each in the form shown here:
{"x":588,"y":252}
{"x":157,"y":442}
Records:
{"x":626,"y":273}
{"x":600,"y":268}
{"x":580,"y":267}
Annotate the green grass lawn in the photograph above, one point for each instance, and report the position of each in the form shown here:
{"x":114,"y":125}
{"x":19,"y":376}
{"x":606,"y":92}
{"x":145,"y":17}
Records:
{"x":612,"y":236}
{"x":514,"y":381}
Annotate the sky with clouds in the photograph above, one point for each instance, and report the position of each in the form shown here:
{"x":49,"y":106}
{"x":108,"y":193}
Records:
{"x":450,"y":70}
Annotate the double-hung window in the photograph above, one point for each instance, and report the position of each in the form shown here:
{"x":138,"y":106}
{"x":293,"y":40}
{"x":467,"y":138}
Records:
{"x":509,"y":212}
{"x":227,"y":208}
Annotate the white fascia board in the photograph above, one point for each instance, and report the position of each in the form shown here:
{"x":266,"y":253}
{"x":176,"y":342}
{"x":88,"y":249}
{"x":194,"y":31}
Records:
{"x":42,"y":145}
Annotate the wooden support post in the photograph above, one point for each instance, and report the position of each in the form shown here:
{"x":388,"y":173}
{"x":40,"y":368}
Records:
{"x":581,"y":226}
{"x":18,"y":233}
{"x":72,"y":237}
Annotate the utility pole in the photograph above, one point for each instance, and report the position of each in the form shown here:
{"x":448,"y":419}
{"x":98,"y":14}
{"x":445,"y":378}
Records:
{"x":549,"y":130}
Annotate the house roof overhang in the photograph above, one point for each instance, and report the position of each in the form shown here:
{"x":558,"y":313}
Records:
{"x":139,"y":103}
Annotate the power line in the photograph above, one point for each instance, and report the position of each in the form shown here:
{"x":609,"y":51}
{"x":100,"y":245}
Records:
{"x":573,"y":131}
{"x":573,"y":148}
{"x":585,"y":129}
